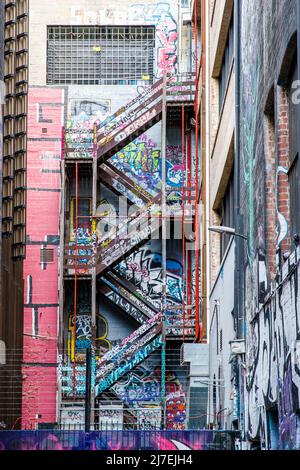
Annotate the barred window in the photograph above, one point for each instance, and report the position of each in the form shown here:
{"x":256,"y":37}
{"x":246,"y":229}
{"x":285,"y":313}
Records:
{"x":46,"y":255}
{"x":100,"y":55}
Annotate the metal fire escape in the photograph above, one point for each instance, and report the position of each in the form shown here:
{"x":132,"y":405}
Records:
{"x":168,"y":100}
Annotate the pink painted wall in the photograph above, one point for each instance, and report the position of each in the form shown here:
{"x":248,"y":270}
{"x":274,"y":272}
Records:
{"x":45,"y":112}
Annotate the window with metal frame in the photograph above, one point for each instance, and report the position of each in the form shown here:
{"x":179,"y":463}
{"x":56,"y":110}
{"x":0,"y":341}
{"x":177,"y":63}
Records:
{"x":100,"y":55}
{"x":293,"y":154}
{"x":226,"y":64}
{"x":227,"y":213}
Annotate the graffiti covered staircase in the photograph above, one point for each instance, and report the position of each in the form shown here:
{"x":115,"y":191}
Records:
{"x":117,"y":131}
{"x":129,"y":235}
{"x":139,"y":115}
{"x":126,"y":296}
{"x":118,"y":182}
{"x":130,"y":353}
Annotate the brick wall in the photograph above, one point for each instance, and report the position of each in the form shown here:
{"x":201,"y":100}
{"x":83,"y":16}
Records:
{"x":271,"y":315}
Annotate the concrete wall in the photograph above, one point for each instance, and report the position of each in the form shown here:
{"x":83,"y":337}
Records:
{"x":221,"y":122}
{"x":80,"y":107}
{"x":222,"y":402}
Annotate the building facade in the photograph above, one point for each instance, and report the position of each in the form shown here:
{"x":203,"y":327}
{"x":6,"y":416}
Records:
{"x":223,"y":401}
{"x":112,"y":155}
{"x":261,"y":202}
{"x":270,"y":204}
{"x":14,"y":83}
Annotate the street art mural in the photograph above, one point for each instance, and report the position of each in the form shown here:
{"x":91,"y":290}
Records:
{"x":144,"y":270}
{"x":143,"y":385}
{"x":82,"y":115}
{"x":118,"y":440}
{"x":141,"y":159}
{"x":161,"y":15}
{"x":273,"y":373}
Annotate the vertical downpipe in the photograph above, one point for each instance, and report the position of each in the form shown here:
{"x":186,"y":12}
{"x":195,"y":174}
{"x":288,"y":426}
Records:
{"x":198,"y":332}
{"x":183,"y":222}
{"x":239,"y":248}
{"x":164,"y":247}
{"x":75,"y":280}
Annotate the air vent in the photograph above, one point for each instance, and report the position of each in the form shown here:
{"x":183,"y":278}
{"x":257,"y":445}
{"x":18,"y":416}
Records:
{"x":47,"y":255}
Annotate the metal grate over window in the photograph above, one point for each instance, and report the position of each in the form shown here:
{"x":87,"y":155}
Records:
{"x":100,"y":55}
{"x":46,"y":255}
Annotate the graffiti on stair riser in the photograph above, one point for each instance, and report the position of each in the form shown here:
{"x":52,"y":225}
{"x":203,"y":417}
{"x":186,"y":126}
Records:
{"x":144,"y":270}
{"x":126,"y":306}
{"x":129,"y":365}
{"x":123,"y":354}
{"x":124,"y":246}
{"x":121,"y":188}
{"x":119,"y":120}
{"x":142,"y":158}
{"x":129,"y":302}
{"x":128,"y":346}
{"x":129,"y":339}
{"x":148,"y":116}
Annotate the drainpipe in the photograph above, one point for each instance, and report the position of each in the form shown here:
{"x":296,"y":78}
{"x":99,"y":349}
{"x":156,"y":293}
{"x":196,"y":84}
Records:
{"x":239,"y":248}
{"x":179,"y":40}
{"x":207,"y":161}
{"x":238,"y":243}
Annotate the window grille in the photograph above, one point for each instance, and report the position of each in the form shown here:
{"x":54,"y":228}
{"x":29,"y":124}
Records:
{"x":100,"y":55}
{"x":46,"y":255}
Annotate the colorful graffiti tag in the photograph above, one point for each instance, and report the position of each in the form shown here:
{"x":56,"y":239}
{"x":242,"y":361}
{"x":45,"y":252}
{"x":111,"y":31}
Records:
{"x":82,"y":115}
{"x":142,"y":159}
{"x":84,"y":335}
{"x":166,"y":31}
{"x":143,"y":269}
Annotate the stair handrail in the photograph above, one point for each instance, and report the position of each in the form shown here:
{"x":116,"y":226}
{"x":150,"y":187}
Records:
{"x":135,"y":217}
{"x":123,"y":346}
